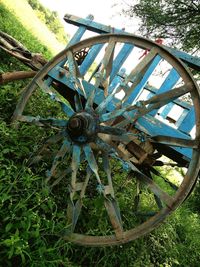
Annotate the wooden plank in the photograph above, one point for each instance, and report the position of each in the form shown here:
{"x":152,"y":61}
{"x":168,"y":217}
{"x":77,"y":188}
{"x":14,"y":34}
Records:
{"x":191,"y":61}
{"x":80,"y":32}
{"x":144,"y":79}
{"x":117,"y":63}
{"x":103,"y":74}
{"x":181,"y":118}
{"x":90,"y":25}
{"x":166,"y":110}
{"x":117,"y":80}
{"x":171,"y":79}
{"x":189,"y":122}
{"x":120,"y":59}
{"x":89,"y":59}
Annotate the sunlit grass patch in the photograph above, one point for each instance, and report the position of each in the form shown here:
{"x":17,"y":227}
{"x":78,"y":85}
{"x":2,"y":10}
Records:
{"x":25,"y":15}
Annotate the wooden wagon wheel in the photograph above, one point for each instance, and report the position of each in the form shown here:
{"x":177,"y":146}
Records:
{"x":115,"y":143}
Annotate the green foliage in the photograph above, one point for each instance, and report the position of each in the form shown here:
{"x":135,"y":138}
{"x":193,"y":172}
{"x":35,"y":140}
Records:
{"x":174,"y":20}
{"x":10,"y":25}
{"x":31,"y":218}
{"x":51,"y":19}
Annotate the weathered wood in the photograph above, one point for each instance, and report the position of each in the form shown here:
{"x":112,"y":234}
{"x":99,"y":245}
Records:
{"x":14,"y":48}
{"x":16,"y":75}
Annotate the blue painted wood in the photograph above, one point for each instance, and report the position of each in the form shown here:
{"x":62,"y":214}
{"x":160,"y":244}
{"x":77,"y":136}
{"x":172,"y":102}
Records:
{"x":166,"y":110}
{"x":120,"y":59}
{"x":191,"y":61}
{"x":182,"y":117}
{"x":182,"y":104}
{"x":91,"y":25}
{"x":189,"y":122}
{"x":117,"y":80}
{"x":171,"y":79}
{"x":144,"y":80}
{"x":89,"y":59}
{"x":80,"y":32}
{"x":117,"y":63}
{"x":147,"y":123}
{"x":155,"y":127}
{"x":76,"y":38}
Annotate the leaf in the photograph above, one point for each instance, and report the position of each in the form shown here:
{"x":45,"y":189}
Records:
{"x":8,"y":227}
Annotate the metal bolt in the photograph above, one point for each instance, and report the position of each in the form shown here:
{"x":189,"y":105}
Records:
{"x":61,"y":72}
{"x":75,"y":123}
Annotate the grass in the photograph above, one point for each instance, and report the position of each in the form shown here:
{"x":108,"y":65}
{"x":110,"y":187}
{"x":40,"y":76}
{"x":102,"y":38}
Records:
{"x":32,"y":217}
{"x":26,"y":16}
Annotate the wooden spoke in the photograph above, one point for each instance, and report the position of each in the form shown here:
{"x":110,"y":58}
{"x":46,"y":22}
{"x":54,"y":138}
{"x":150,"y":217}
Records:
{"x":60,"y":176}
{"x":175,"y":141}
{"x":85,"y":183}
{"x":119,"y":134}
{"x":43,"y":121}
{"x":107,"y":100}
{"x":76,"y":155}
{"x":72,"y":65}
{"x":167,"y":199}
{"x":165,"y":179}
{"x":91,"y":161}
{"x":110,"y":202}
{"x":78,"y":103}
{"x":158,"y":202}
{"x":59,"y":156}
{"x":44,"y":148}
{"x":124,"y":138}
{"x":102,"y":76}
{"x":160,"y":100}
{"x":142,"y":108}
{"x":74,"y":210}
{"x":104,"y":146}
{"x":111,"y":130}
{"x":137,"y":73}
{"x":114,"y":215}
{"x":157,"y":199}
{"x":90,"y":101}
{"x":74,"y":74}
{"x":169,"y":96}
{"x":137,"y":196}
{"x":112,"y":115}
{"x":107,"y":170}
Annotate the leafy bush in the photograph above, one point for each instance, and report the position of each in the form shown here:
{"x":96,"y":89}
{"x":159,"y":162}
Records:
{"x":51,"y":19}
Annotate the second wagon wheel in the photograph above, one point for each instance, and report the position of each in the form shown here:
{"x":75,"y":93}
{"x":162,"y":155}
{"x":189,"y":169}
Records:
{"x":121,"y":182}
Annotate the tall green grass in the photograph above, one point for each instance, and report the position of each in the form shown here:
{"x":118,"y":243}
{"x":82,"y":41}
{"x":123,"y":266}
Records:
{"x":24,"y":14}
{"x":12,"y":26}
{"x":32,"y":217}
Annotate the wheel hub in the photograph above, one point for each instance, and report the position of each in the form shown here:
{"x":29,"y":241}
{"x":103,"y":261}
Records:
{"x":82,"y":127}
